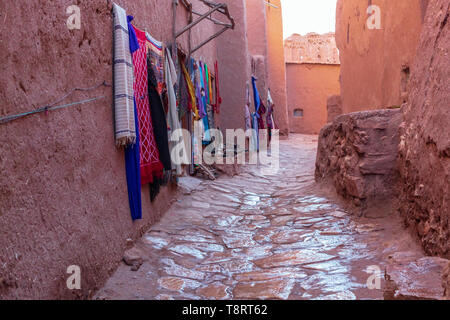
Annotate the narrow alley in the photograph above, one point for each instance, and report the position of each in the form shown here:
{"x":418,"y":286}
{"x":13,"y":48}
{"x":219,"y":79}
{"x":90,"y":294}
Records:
{"x":133,"y":159}
{"x":261,"y":237}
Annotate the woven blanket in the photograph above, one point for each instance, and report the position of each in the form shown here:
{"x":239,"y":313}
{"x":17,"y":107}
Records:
{"x":125,"y":131}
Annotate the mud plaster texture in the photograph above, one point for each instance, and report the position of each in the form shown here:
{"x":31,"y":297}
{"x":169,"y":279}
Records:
{"x":357,"y":153}
{"x":276,"y":65}
{"x":232,"y":50}
{"x":375,"y":62}
{"x":308,"y":87}
{"x":63,"y":193}
{"x":424,"y":159}
{"x":312,"y":48}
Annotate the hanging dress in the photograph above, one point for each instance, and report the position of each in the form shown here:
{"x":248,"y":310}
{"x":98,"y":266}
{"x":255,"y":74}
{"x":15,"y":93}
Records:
{"x":151,"y":166}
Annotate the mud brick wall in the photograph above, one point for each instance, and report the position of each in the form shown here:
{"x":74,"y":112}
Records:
{"x":63,"y":191}
{"x":375,"y":62}
{"x":424,"y":160}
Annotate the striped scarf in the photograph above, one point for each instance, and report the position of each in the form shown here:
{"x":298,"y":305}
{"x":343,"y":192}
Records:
{"x":125,"y":130}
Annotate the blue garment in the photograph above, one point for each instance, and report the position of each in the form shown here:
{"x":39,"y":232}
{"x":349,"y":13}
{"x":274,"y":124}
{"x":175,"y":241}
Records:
{"x":255,"y":116}
{"x":134,"y":44}
{"x":256,"y":95}
{"x":132,"y":153}
{"x":133,"y":169}
{"x":207,"y":137}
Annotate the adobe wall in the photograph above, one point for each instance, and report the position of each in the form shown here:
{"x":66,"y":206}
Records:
{"x":424,"y":160}
{"x":311,"y":48}
{"x":257,"y":46}
{"x":276,"y":65}
{"x":374,"y":63}
{"x":63,"y":187}
{"x":234,"y":68}
{"x":308,"y":88}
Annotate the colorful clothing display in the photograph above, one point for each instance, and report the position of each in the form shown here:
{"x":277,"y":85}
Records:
{"x":154,"y":96}
{"x":151,"y":166}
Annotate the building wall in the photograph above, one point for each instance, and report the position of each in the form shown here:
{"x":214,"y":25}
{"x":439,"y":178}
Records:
{"x":308,"y":88}
{"x":374,"y":63}
{"x":234,"y":68}
{"x":276,"y":65}
{"x":257,"y":45}
{"x":63,"y":186}
{"x":424,"y":160}
{"x":311,"y":48}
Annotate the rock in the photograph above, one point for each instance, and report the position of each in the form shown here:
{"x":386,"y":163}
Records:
{"x":292,"y":258}
{"x":188,"y":184}
{"x":215,"y":291}
{"x":275,"y":289}
{"x":357,"y":153}
{"x":178,"y":284}
{"x":414,"y":279}
{"x":130,"y":243}
{"x":133,"y":258}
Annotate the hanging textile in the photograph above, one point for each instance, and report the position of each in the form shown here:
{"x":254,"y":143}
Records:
{"x":132,"y":167}
{"x":158,"y":116}
{"x":218,"y":97}
{"x":256,"y":115}
{"x":184,"y":105}
{"x":211,"y":93}
{"x":206,"y":85}
{"x":191,"y":91}
{"x":256,"y":95}
{"x":156,"y":56}
{"x":207,"y":137}
{"x":270,"y":119}
{"x":125,"y":44}
{"x":172,"y":116}
{"x":151,"y":166}
{"x":125,"y":129}
{"x":248,"y":119}
{"x":198,"y":90}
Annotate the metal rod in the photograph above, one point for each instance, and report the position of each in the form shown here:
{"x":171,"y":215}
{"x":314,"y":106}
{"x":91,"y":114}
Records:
{"x":194,"y":23}
{"x":210,"y":38}
{"x":213,"y":20}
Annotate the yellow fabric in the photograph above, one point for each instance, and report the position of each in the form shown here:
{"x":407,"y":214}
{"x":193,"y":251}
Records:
{"x":210,"y":88}
{"x":191,"y":92}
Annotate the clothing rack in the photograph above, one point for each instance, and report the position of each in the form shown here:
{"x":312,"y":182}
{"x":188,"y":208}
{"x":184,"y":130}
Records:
{"x":221,"y":8}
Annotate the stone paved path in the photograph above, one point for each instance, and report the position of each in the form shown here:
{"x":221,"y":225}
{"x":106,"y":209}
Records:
{"x":259,"y":236}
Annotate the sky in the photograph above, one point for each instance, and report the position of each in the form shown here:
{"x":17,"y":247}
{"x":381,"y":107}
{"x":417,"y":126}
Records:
{"x":304,"y":16}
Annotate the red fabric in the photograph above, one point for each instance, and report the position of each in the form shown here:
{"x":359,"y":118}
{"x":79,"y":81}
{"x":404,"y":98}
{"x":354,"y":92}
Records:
{"x":151,"y":166}
{"x":218,"y":97}
{"x":261,"y":112}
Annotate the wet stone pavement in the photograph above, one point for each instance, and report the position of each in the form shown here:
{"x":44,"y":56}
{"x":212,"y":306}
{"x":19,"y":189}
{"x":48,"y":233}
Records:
{"x":259,"y":236}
